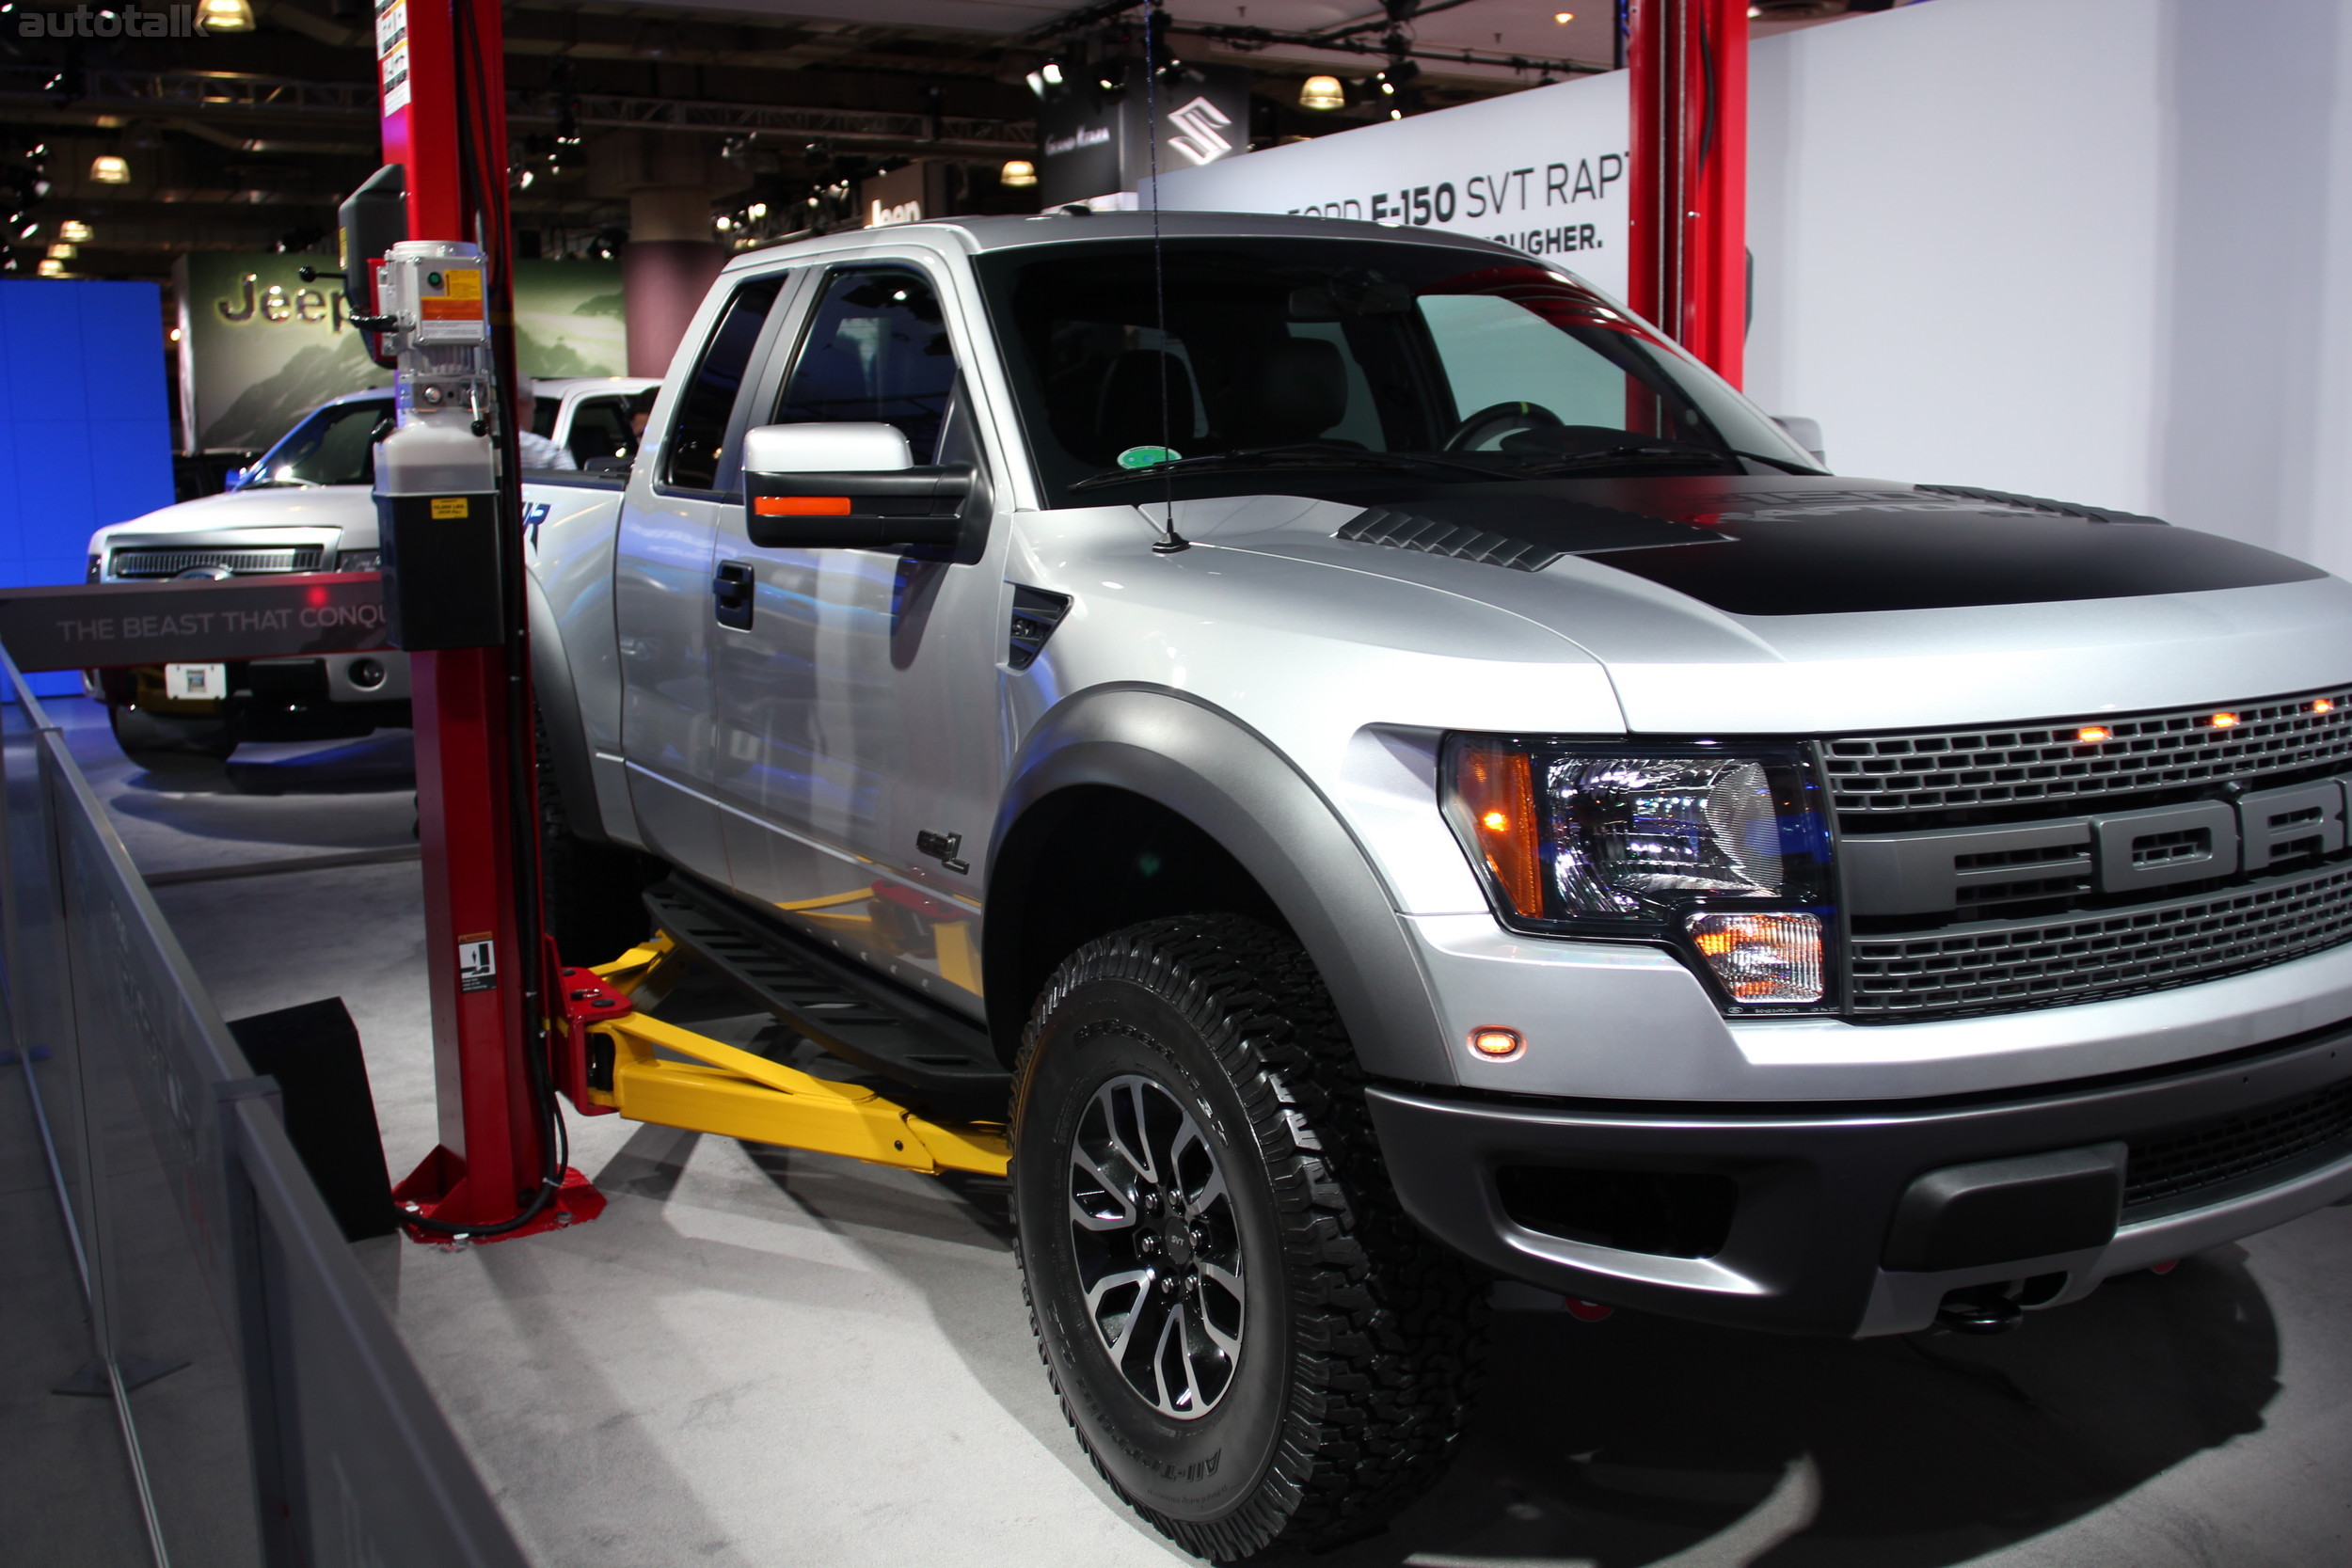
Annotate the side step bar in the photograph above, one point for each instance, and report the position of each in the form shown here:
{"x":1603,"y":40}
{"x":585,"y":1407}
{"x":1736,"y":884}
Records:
{"x":941,"y":1058}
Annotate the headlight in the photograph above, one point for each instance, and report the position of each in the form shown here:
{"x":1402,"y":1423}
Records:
{"x":359,"y":560}
{"x":1719,"y":850}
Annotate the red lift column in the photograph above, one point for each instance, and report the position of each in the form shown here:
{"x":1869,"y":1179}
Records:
{"x":493,"y":1155}
{"x":1690,"y":249}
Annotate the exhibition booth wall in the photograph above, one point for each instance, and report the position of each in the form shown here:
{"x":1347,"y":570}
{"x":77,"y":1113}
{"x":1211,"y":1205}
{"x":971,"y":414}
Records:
{"x":2085,"y":248}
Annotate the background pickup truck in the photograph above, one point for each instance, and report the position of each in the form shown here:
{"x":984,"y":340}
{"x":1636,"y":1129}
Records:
{"x":305,"y":506}
{"x":1393,"y":777}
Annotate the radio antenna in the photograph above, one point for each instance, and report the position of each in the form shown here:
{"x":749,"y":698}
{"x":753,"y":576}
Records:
{"x":1155,"y":27}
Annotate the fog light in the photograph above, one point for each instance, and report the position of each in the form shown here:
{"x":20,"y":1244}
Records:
{"x":1497,"y":1044}
{"x":1762,"y":958}
{"x":366,"y":674}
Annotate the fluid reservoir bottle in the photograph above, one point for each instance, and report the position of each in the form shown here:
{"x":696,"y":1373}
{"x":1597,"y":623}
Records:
{"x":437,"y":511}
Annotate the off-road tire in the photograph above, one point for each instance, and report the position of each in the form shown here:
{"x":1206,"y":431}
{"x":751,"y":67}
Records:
{"x":162,"y":741}
{"x":1364,"y":1336}
{"x":594,"y":891}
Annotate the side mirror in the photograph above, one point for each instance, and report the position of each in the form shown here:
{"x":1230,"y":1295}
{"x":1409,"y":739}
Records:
{"x":848,"y":487}
{"x":1805,"y":433}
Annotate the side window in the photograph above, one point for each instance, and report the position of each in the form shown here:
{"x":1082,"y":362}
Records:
{"x":600,"y":429}
{"x":698,"y":434}
{"x":876,"y":349}
{"x":543,"y":414}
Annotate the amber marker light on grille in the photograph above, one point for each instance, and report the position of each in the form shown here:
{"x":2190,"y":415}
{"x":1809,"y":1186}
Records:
{"x":1495,"y":786}
{"x":2090,"y":735}
{"x":1495,"y":1043}
{"x":1762,"y":958}
{"x":802,"y":506}
{"x":2223,"y":720}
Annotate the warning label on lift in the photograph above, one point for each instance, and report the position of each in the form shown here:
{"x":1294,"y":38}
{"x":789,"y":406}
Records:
{"x":477,"y":964}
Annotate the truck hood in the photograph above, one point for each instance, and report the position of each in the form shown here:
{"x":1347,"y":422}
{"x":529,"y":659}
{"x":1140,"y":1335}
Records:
{"x":1803,"y":605}
{"x":350,"y":507}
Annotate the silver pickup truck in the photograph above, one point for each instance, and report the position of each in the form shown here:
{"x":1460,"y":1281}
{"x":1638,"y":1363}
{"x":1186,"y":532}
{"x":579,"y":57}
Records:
{"x":1407,"y":780}
{"x":304,"y":506}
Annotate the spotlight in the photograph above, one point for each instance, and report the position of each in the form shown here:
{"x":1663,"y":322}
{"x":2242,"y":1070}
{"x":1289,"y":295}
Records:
{"x":109,"y":168}
{"x":1036,"y":83}
{"x":1017,"y":171}
{"x":1563,"y":18}
{"x":74,"y":230}
{"x":224,"y":16}
{"x":1322,"y":93}
{"x":62,"y":253}
{"x":52,"y":269}
{"x":1052,"y":73}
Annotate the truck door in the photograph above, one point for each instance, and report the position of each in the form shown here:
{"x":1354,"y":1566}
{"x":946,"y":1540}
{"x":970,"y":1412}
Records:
{"x":857,"y":705}
{"x":663,"y":582}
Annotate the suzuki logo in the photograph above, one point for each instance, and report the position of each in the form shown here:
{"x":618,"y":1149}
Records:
{"x":1197,"y":123}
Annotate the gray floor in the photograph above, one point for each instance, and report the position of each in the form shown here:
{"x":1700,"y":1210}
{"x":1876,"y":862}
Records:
{"x":765,"y":1357}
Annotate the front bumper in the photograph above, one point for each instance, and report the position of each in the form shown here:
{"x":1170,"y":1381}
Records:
{"x":1791,"y":1211}
{"x":326,"y":696}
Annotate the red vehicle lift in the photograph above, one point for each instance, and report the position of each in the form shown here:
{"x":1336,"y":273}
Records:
{"x":496,"y":1171}
{"x":1689,"y":270}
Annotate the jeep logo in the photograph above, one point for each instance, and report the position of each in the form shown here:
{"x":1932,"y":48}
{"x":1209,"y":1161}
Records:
{"x":2119,"y":852}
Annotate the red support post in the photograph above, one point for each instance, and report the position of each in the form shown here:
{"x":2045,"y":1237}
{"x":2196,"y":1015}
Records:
{"x":1690,"y":245}
{"x":493,"y":1155}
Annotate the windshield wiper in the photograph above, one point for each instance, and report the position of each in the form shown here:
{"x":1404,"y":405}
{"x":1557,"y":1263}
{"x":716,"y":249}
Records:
{"x":1634,"y":452}
{"x":1302,"y":455}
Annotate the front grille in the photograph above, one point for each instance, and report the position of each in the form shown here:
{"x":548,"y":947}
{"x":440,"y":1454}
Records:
{"x":2045,"y":963}
{"x":2163,"y":1172}
{"x":154,"y":560}
{"x":2013,"y":765}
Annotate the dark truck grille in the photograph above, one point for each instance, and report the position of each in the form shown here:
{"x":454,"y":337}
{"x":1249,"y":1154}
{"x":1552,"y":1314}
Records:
{"x":2047,"y":760}
{"x":2166,"y":1174}
{"x":1996,"y":967}
{"x":156,"y":561}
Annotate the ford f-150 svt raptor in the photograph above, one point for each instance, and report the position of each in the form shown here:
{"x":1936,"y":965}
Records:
{"x":1402,"y":778}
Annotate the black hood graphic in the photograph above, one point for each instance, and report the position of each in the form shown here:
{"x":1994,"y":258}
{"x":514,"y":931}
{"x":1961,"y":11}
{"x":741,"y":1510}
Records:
{"x":1797,"y":547}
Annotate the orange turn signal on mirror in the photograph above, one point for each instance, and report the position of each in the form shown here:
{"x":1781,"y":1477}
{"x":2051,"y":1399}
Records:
{"x":800,"y":506}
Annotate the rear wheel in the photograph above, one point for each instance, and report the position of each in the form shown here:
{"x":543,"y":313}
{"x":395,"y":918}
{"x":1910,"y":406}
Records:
{"x":160,"y":741}
{"x":1255,"y":1346}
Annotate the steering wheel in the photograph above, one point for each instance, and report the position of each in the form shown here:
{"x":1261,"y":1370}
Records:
{"x":1496,"y":420}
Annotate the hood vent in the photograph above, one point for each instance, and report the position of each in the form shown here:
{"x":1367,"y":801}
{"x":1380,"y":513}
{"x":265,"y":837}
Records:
{"x":1525,"y":534}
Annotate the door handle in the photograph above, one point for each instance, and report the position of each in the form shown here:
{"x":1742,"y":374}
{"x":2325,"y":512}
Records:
{"x":731,"y":589}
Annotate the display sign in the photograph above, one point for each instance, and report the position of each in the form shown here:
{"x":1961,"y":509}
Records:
{"x":259,"y":348}
{"x":1544,"y":171}
{"x":196,"y":623}
{"x":567,"y":319}
{"x":1093,"y":143}
{"x":907,"y":195}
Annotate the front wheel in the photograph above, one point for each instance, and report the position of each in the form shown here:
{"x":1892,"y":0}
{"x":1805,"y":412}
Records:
{"x":1254,"y":1344}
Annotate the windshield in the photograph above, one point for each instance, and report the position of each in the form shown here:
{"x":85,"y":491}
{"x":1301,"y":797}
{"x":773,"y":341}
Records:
{"x":1342,"y":363}
{"x":334,"y":446}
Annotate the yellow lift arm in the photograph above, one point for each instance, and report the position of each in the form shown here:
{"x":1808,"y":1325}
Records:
{"x":721,"y":1090}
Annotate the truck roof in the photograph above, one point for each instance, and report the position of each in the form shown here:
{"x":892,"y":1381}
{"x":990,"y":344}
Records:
{"x":976,"y":234}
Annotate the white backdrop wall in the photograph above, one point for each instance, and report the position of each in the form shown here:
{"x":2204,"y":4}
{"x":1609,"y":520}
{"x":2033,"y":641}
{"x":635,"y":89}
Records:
{"x":2096,"y":249}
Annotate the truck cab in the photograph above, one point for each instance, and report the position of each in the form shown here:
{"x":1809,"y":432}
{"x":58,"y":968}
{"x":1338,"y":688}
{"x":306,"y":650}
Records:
{"x":1422,"y":785}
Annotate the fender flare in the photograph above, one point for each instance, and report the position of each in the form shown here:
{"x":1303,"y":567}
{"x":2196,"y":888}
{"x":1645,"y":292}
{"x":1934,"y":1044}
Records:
{"x":558,"y":701}
{"x":1234,"y":786}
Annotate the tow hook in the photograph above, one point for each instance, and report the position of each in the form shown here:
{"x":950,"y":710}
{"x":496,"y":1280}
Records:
{"x":1980,"y":1309}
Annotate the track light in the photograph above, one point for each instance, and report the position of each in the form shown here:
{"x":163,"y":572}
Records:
{"x":1052,"y":73}
{"x":1322,"y":93}
{"x":224,"y":16}
{"x":109,"y":168}
{"x":74,"y":229}
{"x":1017,"y":171}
